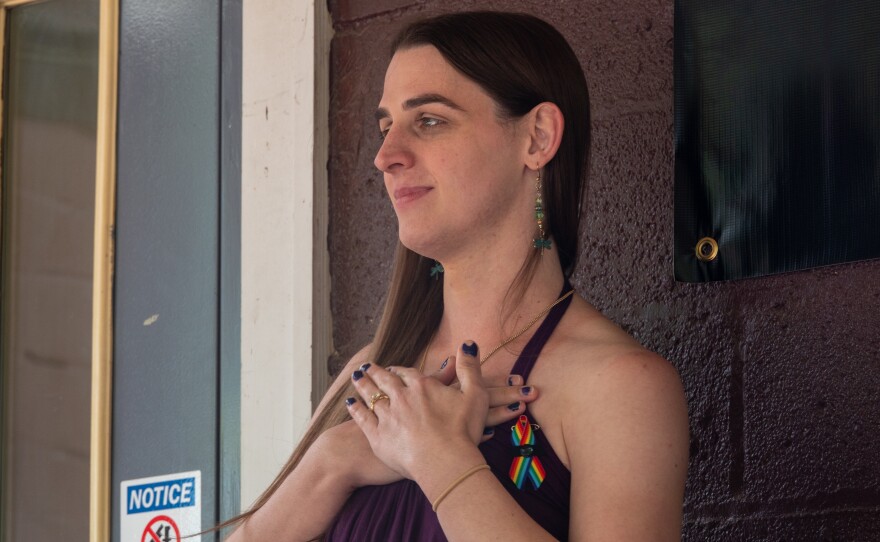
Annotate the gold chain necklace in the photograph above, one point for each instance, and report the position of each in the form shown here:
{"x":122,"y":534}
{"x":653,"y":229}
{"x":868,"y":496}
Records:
{"x":513,"y":337}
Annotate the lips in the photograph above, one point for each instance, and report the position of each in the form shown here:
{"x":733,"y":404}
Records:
{"x":407,"y":194}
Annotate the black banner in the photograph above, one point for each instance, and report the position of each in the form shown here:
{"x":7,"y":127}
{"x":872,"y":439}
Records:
{"x":777,"y":136}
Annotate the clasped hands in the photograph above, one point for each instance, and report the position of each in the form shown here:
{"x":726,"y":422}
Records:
{"x":418,"y":420}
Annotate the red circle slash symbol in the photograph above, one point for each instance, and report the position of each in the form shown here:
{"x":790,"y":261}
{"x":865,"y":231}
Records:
{"x":161,"y":529}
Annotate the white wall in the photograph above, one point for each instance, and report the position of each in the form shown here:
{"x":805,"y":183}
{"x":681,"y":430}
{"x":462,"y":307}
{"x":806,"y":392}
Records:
{"x":285,"y":284}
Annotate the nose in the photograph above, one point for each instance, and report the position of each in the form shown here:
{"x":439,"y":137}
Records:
{"x":395,"y":152}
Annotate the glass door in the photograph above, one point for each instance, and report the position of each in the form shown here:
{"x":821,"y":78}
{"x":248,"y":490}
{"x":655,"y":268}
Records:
{"x":49,"y":139}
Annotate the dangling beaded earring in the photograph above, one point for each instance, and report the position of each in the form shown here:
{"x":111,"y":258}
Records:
{"x":541,"y":241}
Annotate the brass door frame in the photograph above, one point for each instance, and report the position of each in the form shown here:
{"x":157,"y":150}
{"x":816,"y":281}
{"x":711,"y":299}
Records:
{"x":103,"y":251}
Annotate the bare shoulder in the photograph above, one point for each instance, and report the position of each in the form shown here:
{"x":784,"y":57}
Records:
{"x":605,"y":368}
{"x":344,"y":377}
{"x":359,"y":358}
{"x":633,"y":391}
{"x":625,"y":431}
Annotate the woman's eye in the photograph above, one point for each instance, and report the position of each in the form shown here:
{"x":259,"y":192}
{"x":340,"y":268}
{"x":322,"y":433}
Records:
{"x":428,"y":122}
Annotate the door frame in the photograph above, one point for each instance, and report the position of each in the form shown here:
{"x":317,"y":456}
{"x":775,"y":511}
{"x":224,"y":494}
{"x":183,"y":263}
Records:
{"x":102,"y":274}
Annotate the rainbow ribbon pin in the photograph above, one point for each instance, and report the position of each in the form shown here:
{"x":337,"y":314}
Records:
{"x":525,"y":465}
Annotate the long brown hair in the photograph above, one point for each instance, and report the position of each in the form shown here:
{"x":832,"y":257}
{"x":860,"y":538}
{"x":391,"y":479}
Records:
{"x":520,"y":61}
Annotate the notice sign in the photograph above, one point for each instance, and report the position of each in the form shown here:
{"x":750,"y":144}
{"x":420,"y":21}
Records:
{"x":161,"y":508}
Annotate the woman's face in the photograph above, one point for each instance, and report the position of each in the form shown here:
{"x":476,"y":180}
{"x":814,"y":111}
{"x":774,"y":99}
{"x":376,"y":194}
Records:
{"x":453,"y":170}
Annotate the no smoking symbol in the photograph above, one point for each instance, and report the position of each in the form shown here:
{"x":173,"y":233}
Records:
{"x":161,"y":529}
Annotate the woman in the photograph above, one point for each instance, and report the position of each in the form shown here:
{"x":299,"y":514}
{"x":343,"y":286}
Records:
{"x":485,"y":125}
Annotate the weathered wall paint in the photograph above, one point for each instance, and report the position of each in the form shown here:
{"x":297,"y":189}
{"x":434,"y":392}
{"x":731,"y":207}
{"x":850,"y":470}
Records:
{"x":279,"y":211}
{"x":780,"y":372}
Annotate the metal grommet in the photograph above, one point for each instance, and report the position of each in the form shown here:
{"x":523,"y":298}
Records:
{"x":706,"y":249}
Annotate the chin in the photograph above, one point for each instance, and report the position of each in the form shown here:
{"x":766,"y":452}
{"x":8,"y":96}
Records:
{"x":422,"y":243}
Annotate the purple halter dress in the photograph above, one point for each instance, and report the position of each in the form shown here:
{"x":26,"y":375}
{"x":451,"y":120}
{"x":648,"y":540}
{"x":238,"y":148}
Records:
{"x":401,"y":512}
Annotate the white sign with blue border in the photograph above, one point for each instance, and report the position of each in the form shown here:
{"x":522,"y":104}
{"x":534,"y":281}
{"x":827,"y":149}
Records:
{"x":162,"y":508}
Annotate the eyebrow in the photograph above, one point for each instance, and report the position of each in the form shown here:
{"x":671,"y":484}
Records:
{"x":422,"y":99}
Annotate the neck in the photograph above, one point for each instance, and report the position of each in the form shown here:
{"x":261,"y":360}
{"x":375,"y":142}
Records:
{"x":479,"y":304}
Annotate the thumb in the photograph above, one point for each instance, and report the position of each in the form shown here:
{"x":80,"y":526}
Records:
{"x":467,"y":366}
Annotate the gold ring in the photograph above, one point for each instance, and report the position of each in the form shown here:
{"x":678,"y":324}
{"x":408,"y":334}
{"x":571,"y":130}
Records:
{"x":376,"y":397}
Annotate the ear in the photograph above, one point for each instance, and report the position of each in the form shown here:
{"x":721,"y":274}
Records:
{"x":545,"y":125}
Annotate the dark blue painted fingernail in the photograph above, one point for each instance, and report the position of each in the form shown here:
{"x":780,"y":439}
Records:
{"x":510,"y":380}
{"x":443,"y":365}
{"x":526,"y":390}
{"x":513,"y":407}
{"x":470,"y":349}
{"x":357,"y":375}
{"x":488,"y":430}
{"x":365,"y":366}
{"x":350,"y":401}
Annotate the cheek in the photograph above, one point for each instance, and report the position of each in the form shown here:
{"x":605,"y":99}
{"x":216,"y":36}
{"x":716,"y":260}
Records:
{"x":387,"y":184}
{"x":474,"y":162}
{"x":483,"y":163}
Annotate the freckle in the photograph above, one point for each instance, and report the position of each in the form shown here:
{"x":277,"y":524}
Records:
{"x":267,"y":112}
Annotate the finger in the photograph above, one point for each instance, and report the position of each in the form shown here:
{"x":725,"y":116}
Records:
{"x":467,"y":367}
{"x":508,"y":394}
{"x":501,"y":414}
{"x":394,"y":377}
{"x":488,"y":433}
{"x":446,"y":373}
{"x":362,"y":417}
{"x":367,"y":388}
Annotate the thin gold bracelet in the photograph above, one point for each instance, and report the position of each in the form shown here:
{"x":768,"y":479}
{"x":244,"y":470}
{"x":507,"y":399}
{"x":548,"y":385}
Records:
{"x":454,"y":484}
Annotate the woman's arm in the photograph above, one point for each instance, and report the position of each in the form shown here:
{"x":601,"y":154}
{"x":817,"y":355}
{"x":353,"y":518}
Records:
{"x":309,"y":499}
{"x":627,"y":440}
{"x":311,"y":496}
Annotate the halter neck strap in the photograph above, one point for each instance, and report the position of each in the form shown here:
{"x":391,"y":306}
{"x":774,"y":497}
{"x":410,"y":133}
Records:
{"x":526,"y":360}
